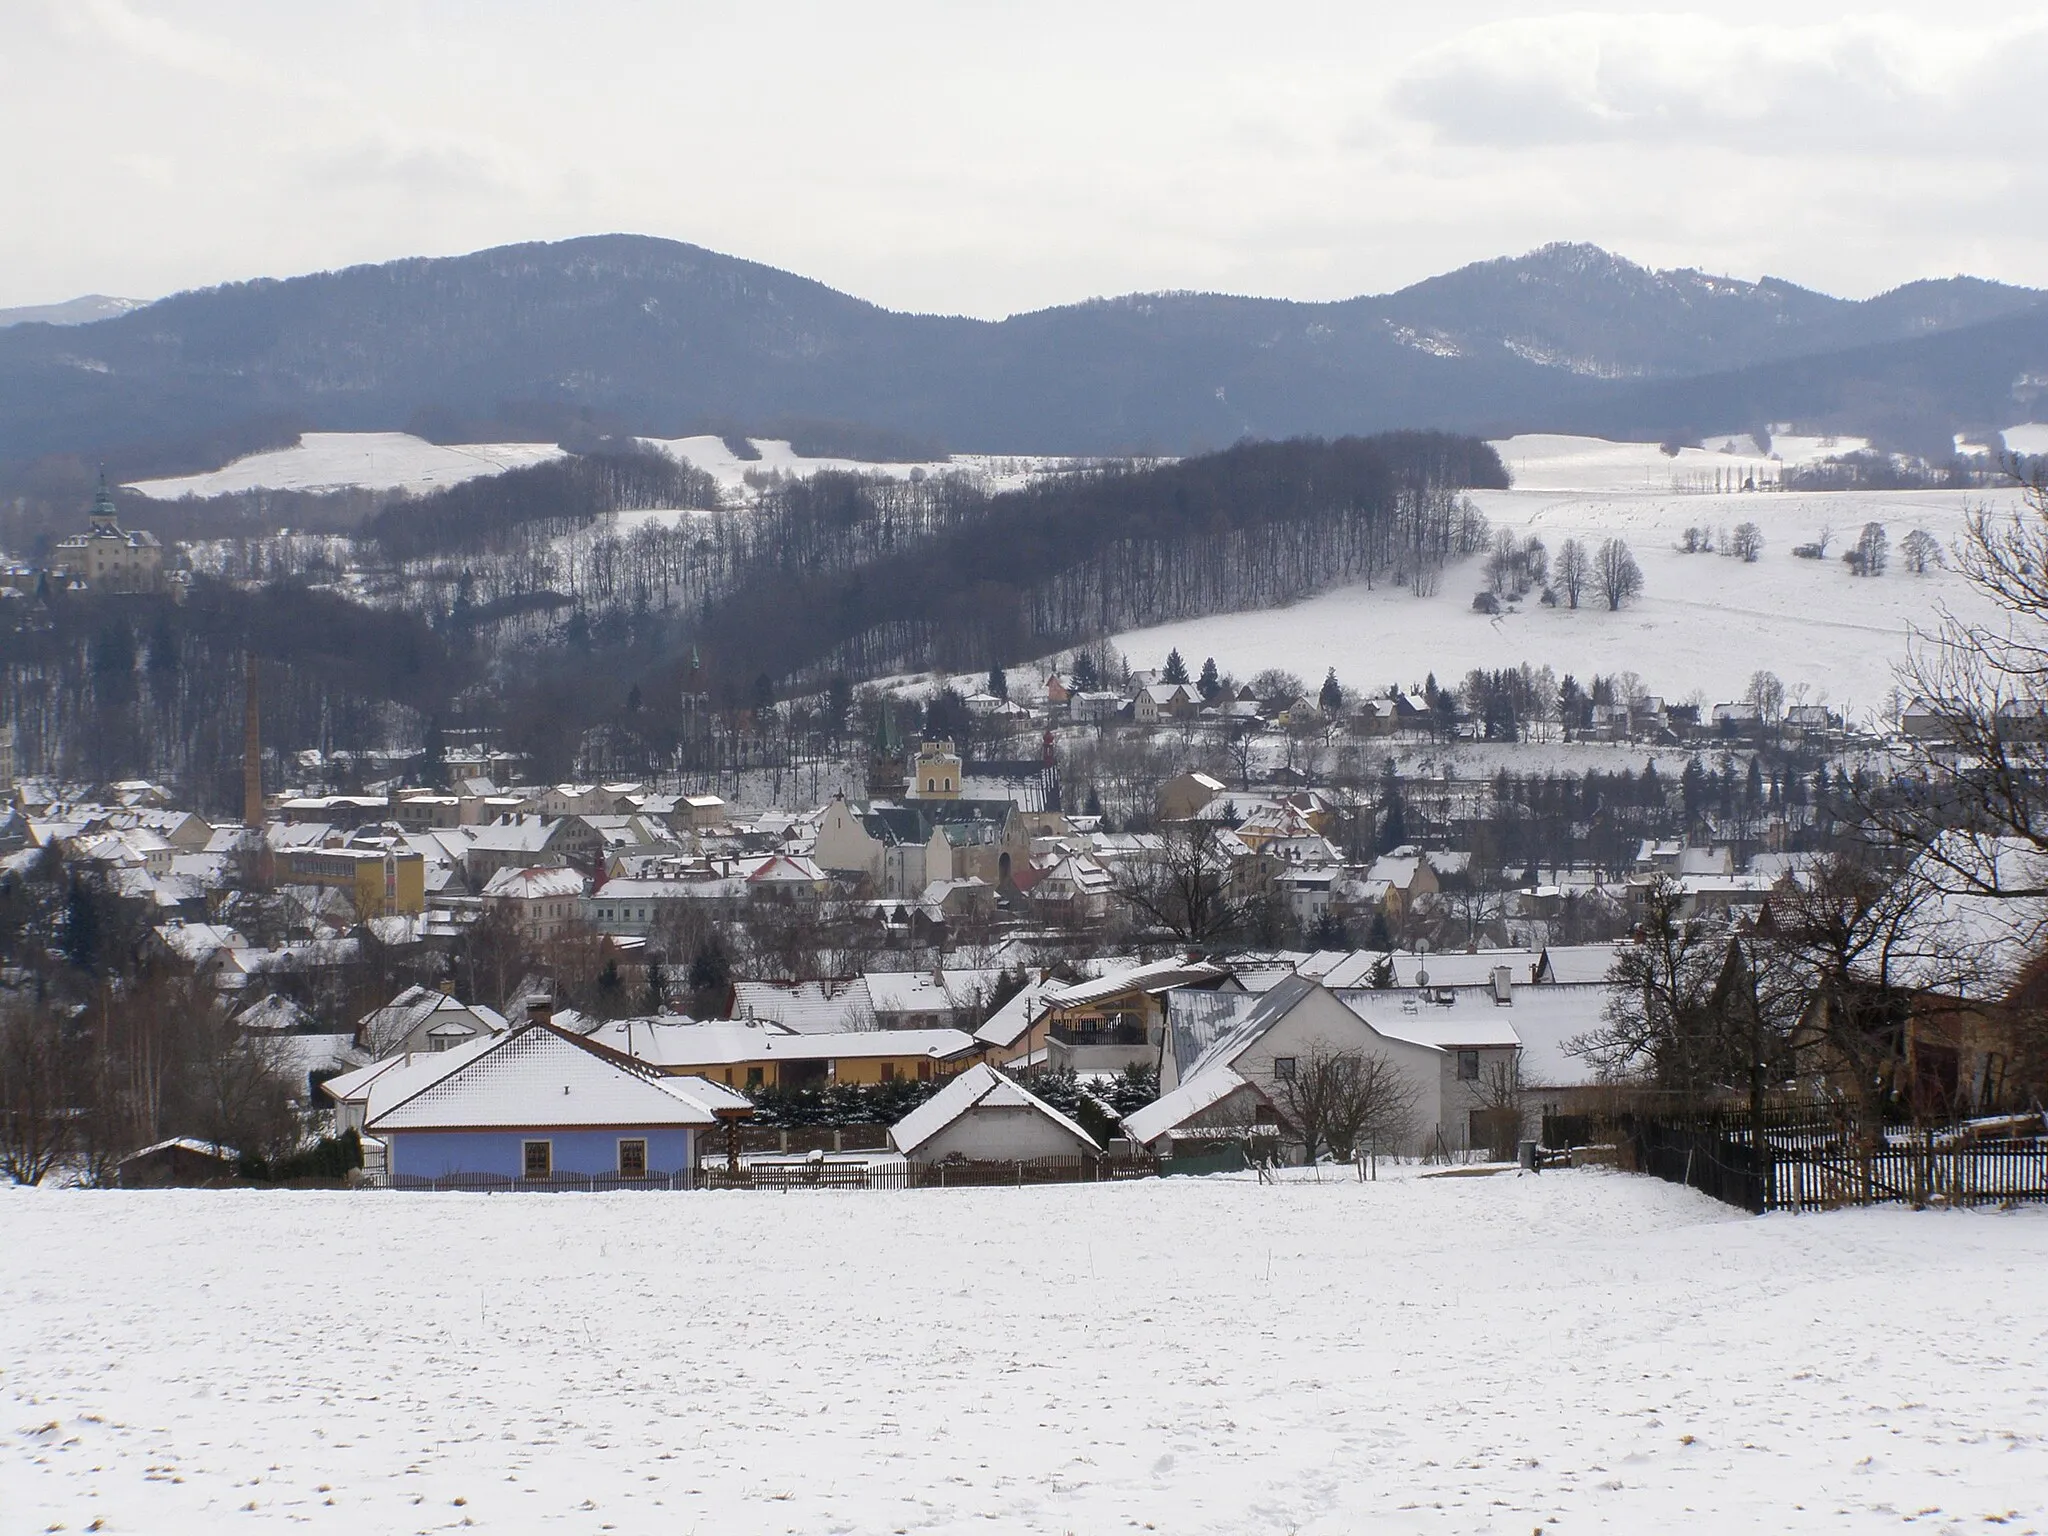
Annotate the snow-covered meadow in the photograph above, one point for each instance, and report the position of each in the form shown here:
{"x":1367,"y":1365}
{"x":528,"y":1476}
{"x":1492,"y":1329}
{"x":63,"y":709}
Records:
{"x":397,"y":461}
{"x":1704,"y":622}
{"x":1576,"y":1351}
{"x":376,"y":461}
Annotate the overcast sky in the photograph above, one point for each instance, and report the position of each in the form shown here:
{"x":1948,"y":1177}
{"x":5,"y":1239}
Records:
{"x":984,"y":159}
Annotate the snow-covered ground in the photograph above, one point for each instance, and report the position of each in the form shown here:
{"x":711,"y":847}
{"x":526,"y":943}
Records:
{"x":998,"y":472}
{"x":1704,"y":622}
{"x":389,"y":461}
{"x":378,"y":461}
{"x":1576,"y":1351}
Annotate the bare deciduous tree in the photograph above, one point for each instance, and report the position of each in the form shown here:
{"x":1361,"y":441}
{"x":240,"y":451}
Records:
{"x":1619,"y":577}
{"x":1574,"y":571}
{"x":1188,"y":889}
{"x":1337,"y":1100}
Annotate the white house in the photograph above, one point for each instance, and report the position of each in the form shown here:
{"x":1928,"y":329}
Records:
{"x":1261,"y":1040}
{"x":983,"y":1116}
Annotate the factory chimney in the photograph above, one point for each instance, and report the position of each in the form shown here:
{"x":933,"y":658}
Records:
{"x":252,"y":747}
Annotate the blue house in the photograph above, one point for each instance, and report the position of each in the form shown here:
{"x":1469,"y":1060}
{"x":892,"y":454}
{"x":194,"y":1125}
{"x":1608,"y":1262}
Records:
{"x":543,"y":1104}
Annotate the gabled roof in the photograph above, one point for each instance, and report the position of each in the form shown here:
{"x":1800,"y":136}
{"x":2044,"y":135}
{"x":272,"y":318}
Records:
{"x":535,"y":884}
{"x":672,"y":1044}
{"x":1170,"y":1110}
{"x":979,"y":1087}
{"x":540,"y":1078}
{"x":1197,"y":1020}
{"x":384,"y":1083}
{"x":1009,"y":1023}
{"x":1160,"y":976}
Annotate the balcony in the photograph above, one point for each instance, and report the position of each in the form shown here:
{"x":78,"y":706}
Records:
{"x":1098,"y":1034}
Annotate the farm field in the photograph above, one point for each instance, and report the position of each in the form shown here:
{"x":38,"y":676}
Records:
{"x":1704,"y":622}
{"x":1580,"y":1351}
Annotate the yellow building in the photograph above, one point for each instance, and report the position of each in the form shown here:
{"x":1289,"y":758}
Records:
{"x":936,"y":773}
{"x":382,"y":882}
{"x":106,"y":558}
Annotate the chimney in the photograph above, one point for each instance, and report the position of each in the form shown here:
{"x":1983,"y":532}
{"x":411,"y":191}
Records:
{"x":540,"y":1009}
{"x":252,"y":747}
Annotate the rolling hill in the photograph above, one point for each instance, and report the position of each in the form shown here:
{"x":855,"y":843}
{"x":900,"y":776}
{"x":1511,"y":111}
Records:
{"x":629,"y":333}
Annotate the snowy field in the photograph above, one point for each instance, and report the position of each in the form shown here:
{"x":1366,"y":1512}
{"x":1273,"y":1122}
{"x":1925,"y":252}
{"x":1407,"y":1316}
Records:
{"x":378,"y":461}
{"x":1579,"y":1352}
{"x":1704,"y":622}
{"x":998,"y":472}
{"x":393,"y":461}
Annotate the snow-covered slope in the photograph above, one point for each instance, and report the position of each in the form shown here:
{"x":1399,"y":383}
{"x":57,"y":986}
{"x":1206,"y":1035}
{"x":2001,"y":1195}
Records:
{"x":378,"y":461}
{"x":1582,"y":1352}
{"x":996,"y":471}
{"x":1704,"y":622}
{"x":387,"y":461}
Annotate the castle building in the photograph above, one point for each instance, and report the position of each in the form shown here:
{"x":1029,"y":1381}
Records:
{"x":106,"y":557}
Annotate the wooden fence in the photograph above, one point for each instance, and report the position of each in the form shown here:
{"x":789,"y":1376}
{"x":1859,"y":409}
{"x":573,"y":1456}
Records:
{"x":1918,"y":1172}
{"x":955,"y":1174}
{"x":1809,"y":1164}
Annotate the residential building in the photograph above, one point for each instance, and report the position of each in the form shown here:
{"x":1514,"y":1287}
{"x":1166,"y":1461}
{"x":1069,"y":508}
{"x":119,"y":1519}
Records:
{"x":753,"y":1054}
{"x":543,"y":1104}
{"x":544,"y":902}
{"x":380,"y":881}
{"x":984,"y":1116}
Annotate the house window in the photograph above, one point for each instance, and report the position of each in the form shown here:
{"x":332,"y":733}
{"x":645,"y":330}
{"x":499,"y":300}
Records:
{"x":539,"y":1161}
{"x":1468,"y":1066}
{"x":1283,"y":1069}
{"x":753,"y":1077}
{"x":924,"y":1071}
{"x":633,"y":1159}
{"x":888,"y":1071}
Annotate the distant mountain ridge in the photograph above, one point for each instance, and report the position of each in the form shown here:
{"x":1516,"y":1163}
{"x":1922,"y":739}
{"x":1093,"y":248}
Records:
{"x":633,"y":333}
{"x":79,"y":311}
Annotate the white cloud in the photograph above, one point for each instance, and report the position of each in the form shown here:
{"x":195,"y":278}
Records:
{"x":1860,"y":86}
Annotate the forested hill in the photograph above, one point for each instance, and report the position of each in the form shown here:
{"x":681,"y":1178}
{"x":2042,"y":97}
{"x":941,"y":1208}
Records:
{"x":861,"y":576}
{"x":627,"y":333}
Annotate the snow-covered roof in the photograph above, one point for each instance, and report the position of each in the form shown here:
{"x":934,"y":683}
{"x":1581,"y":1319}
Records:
{"x":979,"y":1087}
{"x":540,"y":1078}
{"x":187,"y":1144}
{"x":1469,"y":1022}
{"x":273,"y":1014}
{"x":895,"y":992}
{"x":1567,"y":963}
{"x":1196,"y":1020}
{"x":386,"y":1082}
{"x":810,"y":1007}
{"x":1159,"y":976}
{"x":676,"y":1043}
{"x":1171,"y":1110}
{"x":384,"y":1027}
{"x":1008,"y":1024}
{"x":535,"y":884}
{"x":1969,"y":939}
{"x":1342,"y":969}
